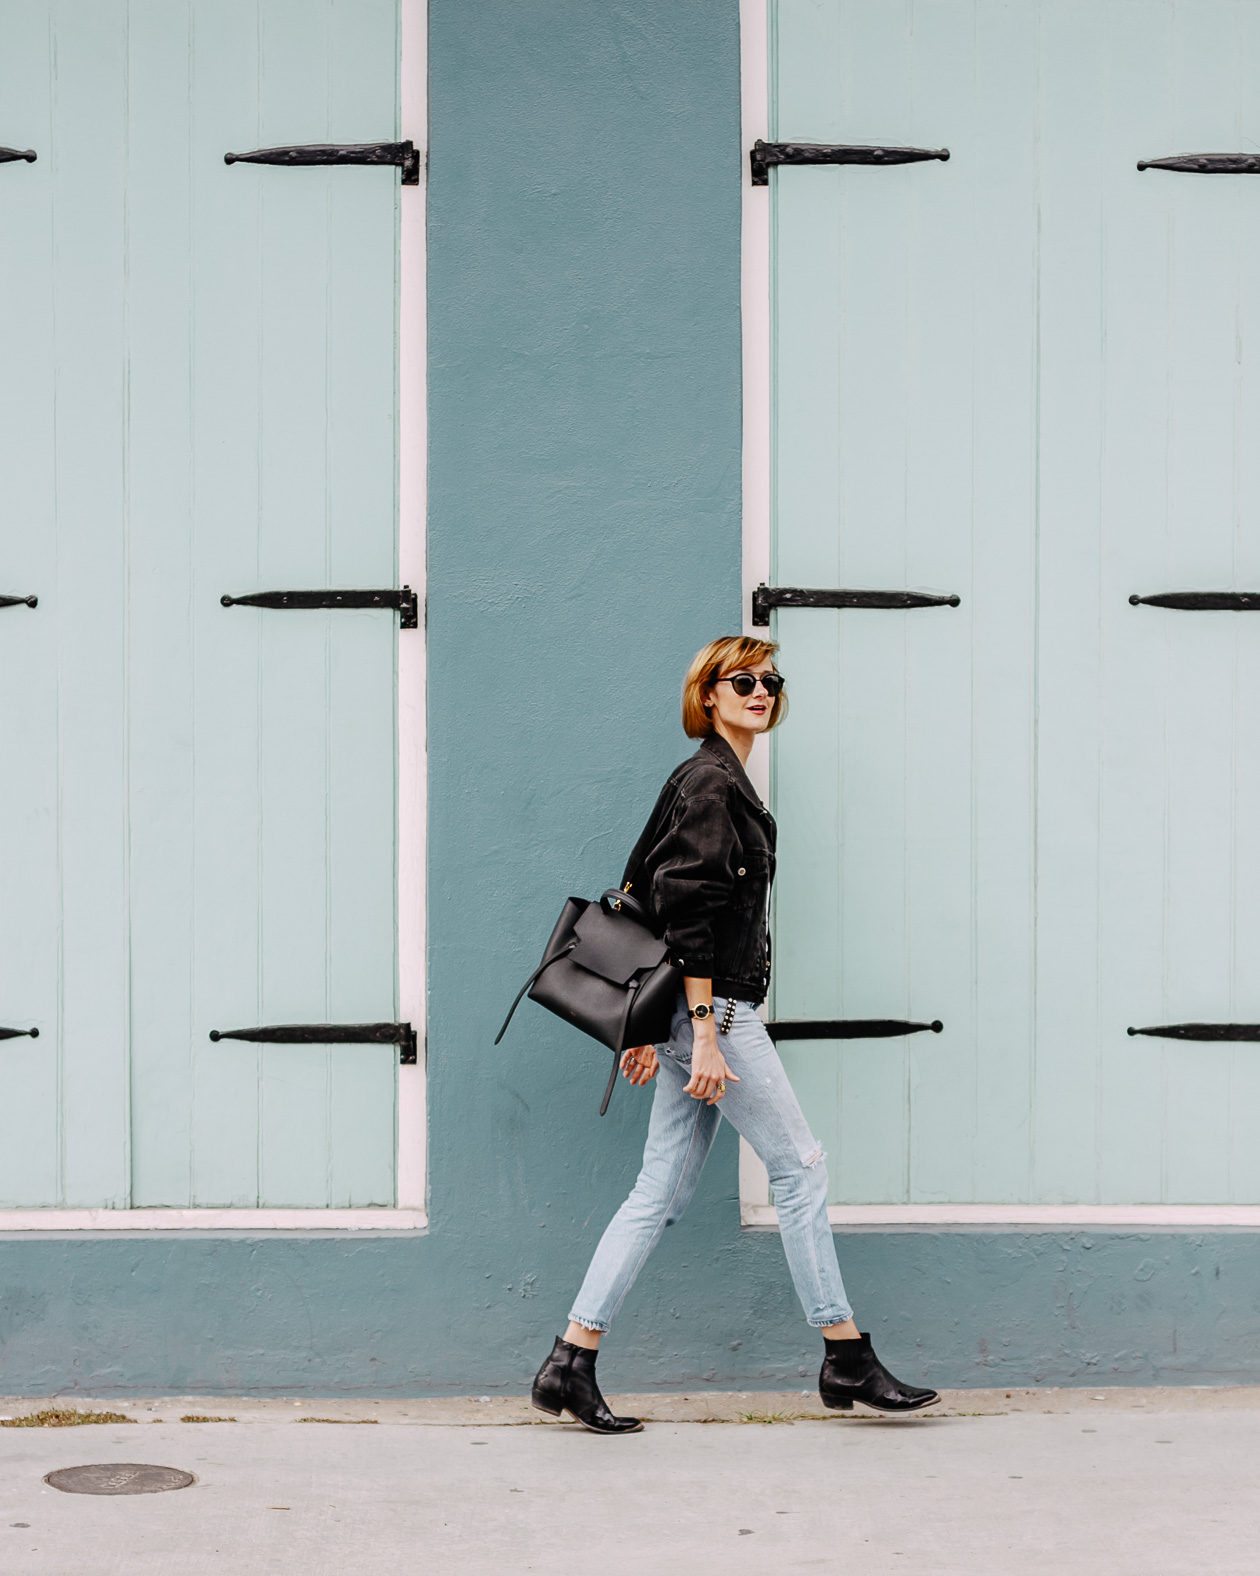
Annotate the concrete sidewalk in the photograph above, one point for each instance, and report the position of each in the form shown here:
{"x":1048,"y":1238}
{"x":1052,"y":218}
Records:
{"x":1136,"y":1481}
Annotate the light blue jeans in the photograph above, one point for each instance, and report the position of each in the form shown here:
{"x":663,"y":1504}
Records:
{"x":761,"y":1107}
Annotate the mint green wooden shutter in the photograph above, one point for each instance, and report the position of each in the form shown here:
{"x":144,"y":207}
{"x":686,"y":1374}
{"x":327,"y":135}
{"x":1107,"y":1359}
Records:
{"x":1021,"y":377}
{"x":199,"y":399}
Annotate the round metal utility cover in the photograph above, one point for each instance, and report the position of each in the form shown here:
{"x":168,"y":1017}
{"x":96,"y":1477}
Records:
{"x":118,"y":1477}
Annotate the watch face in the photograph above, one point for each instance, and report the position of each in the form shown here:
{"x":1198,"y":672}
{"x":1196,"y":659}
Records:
{"x":702,"y":1011}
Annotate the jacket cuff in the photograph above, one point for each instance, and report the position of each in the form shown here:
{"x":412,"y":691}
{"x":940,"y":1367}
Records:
{"x":694,"y":964}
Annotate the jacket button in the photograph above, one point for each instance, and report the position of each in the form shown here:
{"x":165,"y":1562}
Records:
{"x":741,"y":870}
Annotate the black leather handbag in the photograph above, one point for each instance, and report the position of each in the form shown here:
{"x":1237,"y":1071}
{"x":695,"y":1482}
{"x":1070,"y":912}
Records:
{"x":606,"y":972}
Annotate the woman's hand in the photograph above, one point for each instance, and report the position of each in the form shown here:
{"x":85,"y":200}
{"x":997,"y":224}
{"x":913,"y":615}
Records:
{"x":639,"y":1064}
{"x":709,"y":1071}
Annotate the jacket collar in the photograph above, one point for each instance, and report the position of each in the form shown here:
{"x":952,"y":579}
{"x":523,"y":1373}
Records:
{"x":717,"y":747}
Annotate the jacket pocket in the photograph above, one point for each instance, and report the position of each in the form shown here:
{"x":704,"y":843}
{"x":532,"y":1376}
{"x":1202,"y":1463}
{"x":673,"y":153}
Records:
{"x":752,"y":881}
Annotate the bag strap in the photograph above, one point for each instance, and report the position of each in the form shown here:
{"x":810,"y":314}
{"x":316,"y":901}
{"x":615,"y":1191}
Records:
{"x":612,"y":1082}
{"x":620,"y":1046}
{"x":530,"y":981}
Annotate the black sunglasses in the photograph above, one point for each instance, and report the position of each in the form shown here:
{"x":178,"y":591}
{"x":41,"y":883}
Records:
{"x":745,"y":683}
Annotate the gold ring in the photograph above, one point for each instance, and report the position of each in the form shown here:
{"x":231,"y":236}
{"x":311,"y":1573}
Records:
{"x":721,"y":1088}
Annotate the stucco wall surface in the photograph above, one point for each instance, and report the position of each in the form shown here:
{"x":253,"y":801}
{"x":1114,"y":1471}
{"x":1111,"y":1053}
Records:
{"x":472,"y":1314}
{"x":585,"y":540}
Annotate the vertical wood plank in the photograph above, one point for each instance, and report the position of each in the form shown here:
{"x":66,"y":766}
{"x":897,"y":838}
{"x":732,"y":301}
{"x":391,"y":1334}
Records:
{"x":1202,"y":480}
{"x":1244,"y":1088}
{"x":1132,"y":810}
{"x":294,"y":549}
{"x":1072,"y":99}
{"x":29,"y":808}
{"x":160,"y":653}
{"x":839,"y":516}
{"x":941,"y":698}
{"x":227,"y":832}
{"x":1000,"y":596}
{"x":89,"y":84}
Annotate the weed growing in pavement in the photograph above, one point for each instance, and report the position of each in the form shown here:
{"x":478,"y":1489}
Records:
{"x":58,"y":1417}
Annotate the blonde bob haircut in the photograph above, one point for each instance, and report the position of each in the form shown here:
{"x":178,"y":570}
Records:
{"x":730,"y":654}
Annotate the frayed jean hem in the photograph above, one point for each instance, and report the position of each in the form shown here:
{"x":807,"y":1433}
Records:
{"x":593,"y":1325}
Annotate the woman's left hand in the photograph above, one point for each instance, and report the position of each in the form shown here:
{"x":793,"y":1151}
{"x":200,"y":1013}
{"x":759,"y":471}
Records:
{"x":639,"y":1064}
{"x":709,"y":1072}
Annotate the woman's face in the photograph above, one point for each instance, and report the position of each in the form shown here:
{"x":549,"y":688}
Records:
{"x":750,"y":713}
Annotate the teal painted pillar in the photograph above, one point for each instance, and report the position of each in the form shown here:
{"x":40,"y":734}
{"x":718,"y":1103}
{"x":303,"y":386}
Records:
{"x":584,"y":332}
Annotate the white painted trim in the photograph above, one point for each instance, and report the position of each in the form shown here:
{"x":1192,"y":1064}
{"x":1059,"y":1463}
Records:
{"x":754,"y":1185}
{"x":755,"y":308}
{"x":412,"y":1176}
{"x":1046,"y":1216}
{"x":212,"y":1220}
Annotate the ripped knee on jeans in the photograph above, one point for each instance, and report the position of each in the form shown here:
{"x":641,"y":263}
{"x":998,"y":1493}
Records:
{"x":810,"y":1159}
{"x":810,"y":1153}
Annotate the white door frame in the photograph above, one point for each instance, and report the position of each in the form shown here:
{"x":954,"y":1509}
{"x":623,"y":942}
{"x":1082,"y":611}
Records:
{"x":413,"y":478}
{"x":755,"y":1208}
{"x":410,"y":1213}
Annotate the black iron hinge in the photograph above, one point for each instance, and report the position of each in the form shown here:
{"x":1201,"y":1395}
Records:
{"x":1206,"y":163}
{"x":402,"y":600}
{"x":1202,"y":1031}
{"x":399,"y":1034}
{"x":766,"y":597}
{"x":762,"y":156}
{"x":19,"y":601}
{"x":14,"y":155}
{"x":1202,"y":601}
{"x":847,"y":1028}
{"x":404,"y":154}
{"x":16,"y":1034}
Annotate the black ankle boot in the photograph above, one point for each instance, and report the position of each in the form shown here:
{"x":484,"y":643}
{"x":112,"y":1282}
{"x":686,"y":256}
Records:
{"x":852,"y":1372}
{"x":566,"y":1383}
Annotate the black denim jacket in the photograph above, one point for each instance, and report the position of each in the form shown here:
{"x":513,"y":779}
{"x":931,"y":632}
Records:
{"x":704,"y":865}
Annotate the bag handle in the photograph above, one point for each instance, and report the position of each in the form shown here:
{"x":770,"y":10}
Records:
{"x":612,"y":902}
{"x":621,"y":1033}
{"x":618,"y":902}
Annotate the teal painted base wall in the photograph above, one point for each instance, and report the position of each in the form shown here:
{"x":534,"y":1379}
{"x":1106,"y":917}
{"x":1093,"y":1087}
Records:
{"x":324,"y":1316}
{"x":585,"y":540}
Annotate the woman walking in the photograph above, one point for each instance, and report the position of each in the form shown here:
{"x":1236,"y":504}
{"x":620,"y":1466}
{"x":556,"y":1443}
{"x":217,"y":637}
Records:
{"x":703,"y":866}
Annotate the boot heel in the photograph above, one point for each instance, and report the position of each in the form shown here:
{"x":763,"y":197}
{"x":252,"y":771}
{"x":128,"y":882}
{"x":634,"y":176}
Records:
{"x":538,"y":1407}
{"x":839,"y":1406}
